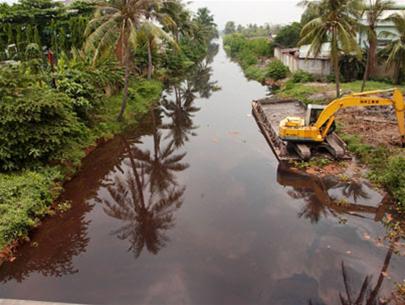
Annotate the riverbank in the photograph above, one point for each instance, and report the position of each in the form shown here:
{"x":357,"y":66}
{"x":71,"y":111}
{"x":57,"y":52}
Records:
{"x":365,"y":132}
{"x":28,"y":195}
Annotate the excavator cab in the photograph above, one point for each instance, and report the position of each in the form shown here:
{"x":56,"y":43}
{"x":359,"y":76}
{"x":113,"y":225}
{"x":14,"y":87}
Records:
{"x":312,"y":114}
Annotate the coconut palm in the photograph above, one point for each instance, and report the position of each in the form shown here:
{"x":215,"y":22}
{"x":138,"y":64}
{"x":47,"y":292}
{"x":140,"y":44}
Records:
{"x":182,"y":25}
{"x":115,"y":25}
{"x":396,"y":48}
{"x":337,"y":25}
{"x":373,"y":11}
{"x":154,"y":35}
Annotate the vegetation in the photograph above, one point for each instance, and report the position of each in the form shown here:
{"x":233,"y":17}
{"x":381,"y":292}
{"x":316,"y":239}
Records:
{"x":302,"y":77}
{"x":374,"y":14}
{"x":289,"y":35}
{"x":276,"y":70}
{"x":387,"y":167}
{"x":251,"y":30}
{"x":53,"y":110}
{"x":248,"y":53}
{"x":395,"y":50}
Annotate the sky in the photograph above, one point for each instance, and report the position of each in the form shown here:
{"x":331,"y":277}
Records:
{"x":245,"y":12}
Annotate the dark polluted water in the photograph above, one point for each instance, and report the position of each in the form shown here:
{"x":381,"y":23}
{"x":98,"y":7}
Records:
{"x":193,"y":208}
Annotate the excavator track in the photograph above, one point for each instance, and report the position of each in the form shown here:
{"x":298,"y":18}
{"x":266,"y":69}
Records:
{"x":302,"y":150}
{"x":335,"y":147}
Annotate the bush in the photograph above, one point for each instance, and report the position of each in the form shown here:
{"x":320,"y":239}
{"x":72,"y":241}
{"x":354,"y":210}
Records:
{"x":36,"y":121}
{"x":24,"y":198}
{"x":277,"y":70}
{"x":289,"y":35}
{"x":302,"y":77}
{"x":393,"y":178}
{"x":255,"y":73}
{"x":247,"y":58}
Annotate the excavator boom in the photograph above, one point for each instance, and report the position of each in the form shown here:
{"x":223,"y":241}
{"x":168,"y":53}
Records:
{"x":365,"y":99}
{"x":296,"y":130}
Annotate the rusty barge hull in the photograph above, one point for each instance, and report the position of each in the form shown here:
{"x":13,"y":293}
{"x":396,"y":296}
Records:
{"x":268,"y":113}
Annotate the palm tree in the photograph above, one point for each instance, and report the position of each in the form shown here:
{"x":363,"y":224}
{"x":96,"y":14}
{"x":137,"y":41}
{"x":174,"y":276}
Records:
{"x":182,"y":25}
{"x":115,"y":25}
{"x":336,"y":25}
{"x":396,"y":48}
{"x":374,"y":12}
{"x":154,"y":35}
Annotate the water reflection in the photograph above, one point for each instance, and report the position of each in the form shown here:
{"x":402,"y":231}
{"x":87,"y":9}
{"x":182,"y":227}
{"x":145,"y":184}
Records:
{"x":367,"y":294}
{"x":146,"y":194}
{"x":319,"y":202}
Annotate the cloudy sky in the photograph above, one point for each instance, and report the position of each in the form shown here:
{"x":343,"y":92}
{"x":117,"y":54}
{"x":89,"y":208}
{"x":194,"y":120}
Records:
{"x":256,"y":11}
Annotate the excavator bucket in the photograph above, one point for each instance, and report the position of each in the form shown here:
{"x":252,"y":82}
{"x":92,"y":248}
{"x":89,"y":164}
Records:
{"x":268,"y":113}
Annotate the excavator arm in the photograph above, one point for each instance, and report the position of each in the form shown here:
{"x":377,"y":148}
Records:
{"x":365,"y":99}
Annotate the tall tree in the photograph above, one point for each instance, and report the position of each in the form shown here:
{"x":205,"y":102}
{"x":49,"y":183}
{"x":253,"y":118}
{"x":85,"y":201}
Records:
{"x":373,"y":12}
{"x":338,"y":26}
{"x":230,"y":28}
{"x":396,"y":48}
{"x":115,"y":26}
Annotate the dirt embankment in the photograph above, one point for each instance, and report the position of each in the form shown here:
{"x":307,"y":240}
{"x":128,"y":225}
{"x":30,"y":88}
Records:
{"x":376,"y":126}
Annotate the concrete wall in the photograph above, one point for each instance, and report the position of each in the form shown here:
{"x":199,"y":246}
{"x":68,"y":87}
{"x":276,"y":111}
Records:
{"x":293,"y":61}
{"x":320,"y":67}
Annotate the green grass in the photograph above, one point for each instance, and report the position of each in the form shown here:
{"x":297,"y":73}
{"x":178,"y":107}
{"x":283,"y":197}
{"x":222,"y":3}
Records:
{"x":370,"y":85}
{"x":26,"y":196}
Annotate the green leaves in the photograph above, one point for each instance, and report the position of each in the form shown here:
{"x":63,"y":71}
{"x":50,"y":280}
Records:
{"x":24,"y":197}
{"x":277,"y":70}
{"x":36,"y":120}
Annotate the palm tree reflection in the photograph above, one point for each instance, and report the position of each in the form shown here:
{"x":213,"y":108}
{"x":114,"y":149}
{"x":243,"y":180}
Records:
{"x":144,"y":194}
{"x":145,"y":198}
{"x":319,"y":203}
{"x":367,"y":294}
{"x":179,"y":107}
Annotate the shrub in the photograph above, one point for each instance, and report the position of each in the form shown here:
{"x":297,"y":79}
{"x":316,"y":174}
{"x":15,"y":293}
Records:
{"x":302,"y":77}
{"x":24,"y":198}
{"x":289,"y":35}
{"x":247,"y":58}
{"x":277,"y":70}
{"x":393,"y":178}
{"x":255,"y":73}
{"x":36,"y":121}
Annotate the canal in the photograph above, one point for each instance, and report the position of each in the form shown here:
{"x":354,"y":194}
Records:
{"x":191,"y":207}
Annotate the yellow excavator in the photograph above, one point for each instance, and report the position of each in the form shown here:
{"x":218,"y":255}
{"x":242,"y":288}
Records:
{"x":303,"y":133}
{"x":295,"y":131}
